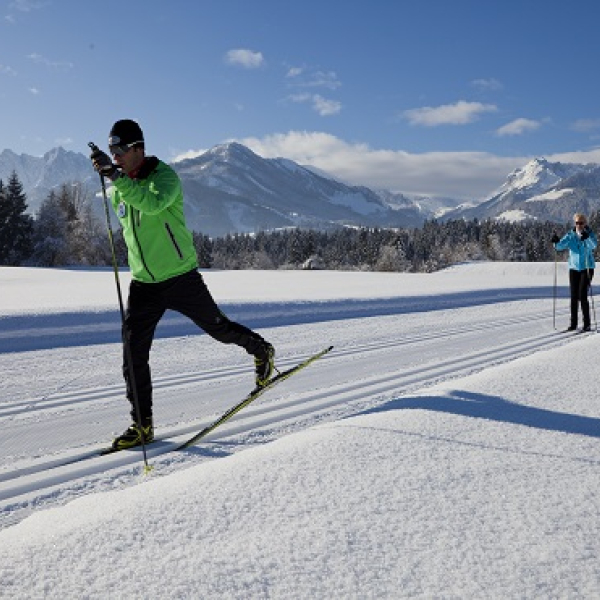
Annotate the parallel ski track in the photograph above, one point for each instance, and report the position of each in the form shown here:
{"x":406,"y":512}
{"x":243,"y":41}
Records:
{"x":273,"y":419}
{"x":58,"y":400}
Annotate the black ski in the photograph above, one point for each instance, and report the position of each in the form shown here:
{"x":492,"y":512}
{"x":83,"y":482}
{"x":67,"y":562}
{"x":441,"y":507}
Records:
{"x":253,"y":395}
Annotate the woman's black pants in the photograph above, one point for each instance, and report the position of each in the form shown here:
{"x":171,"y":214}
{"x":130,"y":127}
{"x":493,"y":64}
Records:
{"x":579,"y":282}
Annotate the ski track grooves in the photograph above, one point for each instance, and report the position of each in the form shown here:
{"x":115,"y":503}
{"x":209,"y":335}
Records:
{"x":64,"y":399}
{"x":39,"y":478}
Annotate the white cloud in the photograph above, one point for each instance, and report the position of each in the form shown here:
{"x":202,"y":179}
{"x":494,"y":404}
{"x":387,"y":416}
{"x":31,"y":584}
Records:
{"x":299,"y":98}
{"x":26,"y":5}
{"x":34,"y":91}
{"x":313,"y":78}
{"x":294,"y":71}
{"x":586,"y":125}
{"x":6,"y":70}
{"x":581,"y":157}
{"x":179,"y":155}
{"x":518,"y":127}
{"x":244,"y":58}
{"x":323,"y":106}
{"x":326,"y":107}
{"x":305,"y":79}
{"x":42,"y":60}
{"x":326,"y":79}
{"x":490,"y":84}
{"x":23,"y":6}
{"x":460,"y":113}
{"x":459,"y":175}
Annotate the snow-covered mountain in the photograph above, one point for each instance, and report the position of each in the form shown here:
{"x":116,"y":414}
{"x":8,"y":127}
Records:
{"x":540,"y":190}
{"x":231,"y":189}
{"x":40,"y":174}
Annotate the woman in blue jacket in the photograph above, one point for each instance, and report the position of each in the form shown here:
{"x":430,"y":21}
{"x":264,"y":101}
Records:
{"x":580,"y":242}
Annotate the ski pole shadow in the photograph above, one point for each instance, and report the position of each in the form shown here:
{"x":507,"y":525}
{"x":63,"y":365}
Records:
{"x":496,"y":408}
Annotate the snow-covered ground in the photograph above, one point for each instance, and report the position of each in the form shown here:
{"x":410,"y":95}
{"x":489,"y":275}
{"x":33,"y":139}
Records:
{"x":448,"y":447}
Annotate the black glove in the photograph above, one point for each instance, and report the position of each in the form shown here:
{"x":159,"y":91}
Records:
{"x":555,"y":239}
{"x":104,"y":165}
{"x":585,"y":234}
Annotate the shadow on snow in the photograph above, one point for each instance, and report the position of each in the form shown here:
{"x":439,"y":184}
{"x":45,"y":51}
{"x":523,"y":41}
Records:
{"x":495,"y":408}
{"x":60,"y":330}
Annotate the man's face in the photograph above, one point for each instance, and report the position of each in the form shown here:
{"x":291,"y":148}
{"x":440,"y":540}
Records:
{"x":130,"y":160}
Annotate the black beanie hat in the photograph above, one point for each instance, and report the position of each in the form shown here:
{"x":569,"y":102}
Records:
{"x":125,"y":131}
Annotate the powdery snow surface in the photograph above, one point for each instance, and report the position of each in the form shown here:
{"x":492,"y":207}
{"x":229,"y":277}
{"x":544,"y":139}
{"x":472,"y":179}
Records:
{"x":30,"y":290}
{"x":452,"y":452}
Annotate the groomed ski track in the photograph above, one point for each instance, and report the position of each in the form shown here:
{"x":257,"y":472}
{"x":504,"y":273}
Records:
{"x":58,"y":417}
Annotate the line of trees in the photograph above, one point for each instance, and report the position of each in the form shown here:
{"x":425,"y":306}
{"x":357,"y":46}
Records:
{"x":67,"y":232}
{"x":429,"y":248}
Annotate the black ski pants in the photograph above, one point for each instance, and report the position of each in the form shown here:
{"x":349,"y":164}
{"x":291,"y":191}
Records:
{"x":579,"y":282}
{"x":147,"y":303}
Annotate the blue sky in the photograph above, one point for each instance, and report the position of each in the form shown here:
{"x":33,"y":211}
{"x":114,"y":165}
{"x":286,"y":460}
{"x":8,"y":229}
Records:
{"x":441,"y":97}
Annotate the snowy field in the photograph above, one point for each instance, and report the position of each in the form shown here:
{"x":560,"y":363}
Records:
{"x":448,"y":447}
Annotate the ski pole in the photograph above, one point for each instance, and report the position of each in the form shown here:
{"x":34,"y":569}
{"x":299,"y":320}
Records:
{"x":125,"y":335}
{"x":554,"y":293}
{"x":593,"y":307}
{"x":589,"y":284}
{"x":589,"y":278}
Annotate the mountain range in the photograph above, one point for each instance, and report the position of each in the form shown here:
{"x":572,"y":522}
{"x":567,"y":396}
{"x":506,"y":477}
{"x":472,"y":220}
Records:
{"x":230,"y":189}
{"x":542,"y":190}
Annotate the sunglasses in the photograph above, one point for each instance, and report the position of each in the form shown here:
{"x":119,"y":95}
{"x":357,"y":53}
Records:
{"x":579,"y":222}
{"x":116,"y":148}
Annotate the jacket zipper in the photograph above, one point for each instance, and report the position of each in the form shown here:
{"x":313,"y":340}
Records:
{"x":133,"y":223}
{"x":174,"y":241}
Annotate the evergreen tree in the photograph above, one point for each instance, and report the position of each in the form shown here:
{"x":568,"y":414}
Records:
{"x":16,"y":227}
{"x":51,"y":238}
{"x":87,"y":240}
{"x":203,"y":247}
{"x":433,"y":246}
{"x":67,"y":232}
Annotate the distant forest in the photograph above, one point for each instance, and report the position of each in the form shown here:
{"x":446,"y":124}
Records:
{"x":66,"y":231}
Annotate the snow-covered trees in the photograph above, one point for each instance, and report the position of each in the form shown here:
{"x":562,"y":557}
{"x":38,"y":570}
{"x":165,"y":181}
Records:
{"x":50,"y":244}
{"x":15,"y":225}
{"x":67,"y":232}
{"x":425,"y":249}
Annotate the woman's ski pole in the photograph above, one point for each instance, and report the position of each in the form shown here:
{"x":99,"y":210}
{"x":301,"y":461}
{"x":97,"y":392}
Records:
{"x":593,"y":307}
{"x":589,"y":278}
{"x":554,"y":293}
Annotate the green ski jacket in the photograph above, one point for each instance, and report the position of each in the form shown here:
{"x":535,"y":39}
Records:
{"x":150,"y":209}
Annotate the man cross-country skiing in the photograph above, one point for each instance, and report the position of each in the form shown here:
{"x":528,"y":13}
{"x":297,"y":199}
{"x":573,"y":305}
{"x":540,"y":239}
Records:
{"x":147,"y":197}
